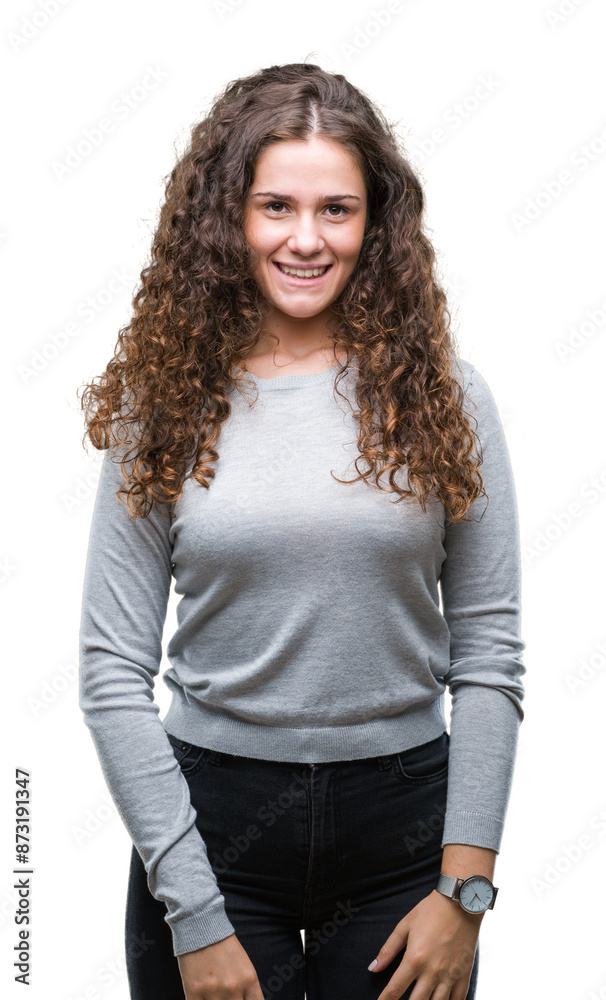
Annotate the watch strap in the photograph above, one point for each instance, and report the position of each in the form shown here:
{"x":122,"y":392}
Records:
{"x":448,"y":885}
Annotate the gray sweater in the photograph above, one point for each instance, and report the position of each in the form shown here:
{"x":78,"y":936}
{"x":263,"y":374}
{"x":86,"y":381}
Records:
{"x":317,"y":621}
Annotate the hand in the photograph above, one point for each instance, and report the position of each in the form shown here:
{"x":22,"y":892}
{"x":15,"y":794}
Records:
{"x":221,"y":970}
{"x":440,"y":941}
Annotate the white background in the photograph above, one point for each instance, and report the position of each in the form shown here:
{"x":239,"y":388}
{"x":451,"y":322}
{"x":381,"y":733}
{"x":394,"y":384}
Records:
{"x":522,"y":258}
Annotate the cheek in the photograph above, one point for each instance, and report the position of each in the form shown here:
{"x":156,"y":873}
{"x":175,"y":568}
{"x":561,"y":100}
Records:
{"x":261,"y":236}
{"x":351,"y":253}
{"x":254,"y":234}
{"x":351,"y":245}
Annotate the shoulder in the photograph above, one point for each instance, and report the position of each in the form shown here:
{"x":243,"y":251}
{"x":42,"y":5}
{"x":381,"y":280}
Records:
{"x":476,"y":388}
{"x":479,"y":402}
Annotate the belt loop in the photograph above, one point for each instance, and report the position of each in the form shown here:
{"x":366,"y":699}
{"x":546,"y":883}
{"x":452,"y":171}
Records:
{"x":384,"y":763}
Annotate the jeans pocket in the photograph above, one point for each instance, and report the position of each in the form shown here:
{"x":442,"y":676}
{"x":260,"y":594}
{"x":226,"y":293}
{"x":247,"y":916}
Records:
{"x":189,"y":757}
{"x":424,"y":764}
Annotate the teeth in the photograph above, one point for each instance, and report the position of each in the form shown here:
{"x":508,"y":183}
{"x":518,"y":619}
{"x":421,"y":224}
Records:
{"x":302,"y":272}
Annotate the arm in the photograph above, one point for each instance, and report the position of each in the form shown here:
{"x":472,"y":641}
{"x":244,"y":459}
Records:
{"x":481,"y":594}
{"x":127,"y":582}
{"x":463,"y":861}
{"x":480,"y":585}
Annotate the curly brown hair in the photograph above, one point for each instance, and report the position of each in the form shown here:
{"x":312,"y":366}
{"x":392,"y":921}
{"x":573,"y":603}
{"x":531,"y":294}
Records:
{"x":199,"y":311}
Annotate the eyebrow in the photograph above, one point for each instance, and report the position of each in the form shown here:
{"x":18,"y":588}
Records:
{"x":290,"y":197}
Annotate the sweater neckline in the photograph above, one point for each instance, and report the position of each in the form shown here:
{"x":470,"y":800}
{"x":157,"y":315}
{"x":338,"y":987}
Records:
{"x":291,"y":381}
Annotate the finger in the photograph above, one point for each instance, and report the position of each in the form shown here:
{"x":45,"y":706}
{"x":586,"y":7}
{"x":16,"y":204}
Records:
{"x":460,"y":989}
{"x":407,"y":974}
{"x":426,"y":988}
{"x":254,"y":992}
{"x":390,"y":948}
{"x":404,"y":977}
{"x":461,"y":972}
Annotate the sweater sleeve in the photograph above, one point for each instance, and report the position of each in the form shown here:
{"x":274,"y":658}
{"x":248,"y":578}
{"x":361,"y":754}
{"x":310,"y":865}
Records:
{"x":127,"y":581}
{"x":481,"y":595}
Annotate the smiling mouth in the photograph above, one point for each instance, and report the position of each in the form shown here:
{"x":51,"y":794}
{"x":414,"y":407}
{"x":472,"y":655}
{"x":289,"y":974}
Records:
{"x":303,"y":272}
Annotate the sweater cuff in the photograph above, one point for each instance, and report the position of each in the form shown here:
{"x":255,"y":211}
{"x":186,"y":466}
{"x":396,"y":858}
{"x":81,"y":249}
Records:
{"x":201,"y":929}
{"x":475,"y":829}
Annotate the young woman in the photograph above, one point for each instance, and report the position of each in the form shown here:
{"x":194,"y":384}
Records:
{"x":290,"y":434}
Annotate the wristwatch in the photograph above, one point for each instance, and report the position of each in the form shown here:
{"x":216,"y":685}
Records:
{"x":475,"y":893}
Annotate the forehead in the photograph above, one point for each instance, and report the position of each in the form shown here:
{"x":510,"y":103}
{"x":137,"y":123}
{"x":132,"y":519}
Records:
{"x":307,"y":164}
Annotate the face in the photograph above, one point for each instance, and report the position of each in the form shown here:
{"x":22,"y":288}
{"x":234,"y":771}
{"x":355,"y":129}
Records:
{"x":306,"y":209}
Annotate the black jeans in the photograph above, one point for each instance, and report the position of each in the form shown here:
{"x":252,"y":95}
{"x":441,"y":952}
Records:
{"x":342,"y":851}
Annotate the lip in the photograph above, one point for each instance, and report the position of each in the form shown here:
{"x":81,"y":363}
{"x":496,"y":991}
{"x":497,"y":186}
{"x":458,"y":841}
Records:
{"x":292,"y":279}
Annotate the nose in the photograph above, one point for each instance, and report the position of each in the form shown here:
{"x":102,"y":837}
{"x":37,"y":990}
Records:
{"x":304,"y":237}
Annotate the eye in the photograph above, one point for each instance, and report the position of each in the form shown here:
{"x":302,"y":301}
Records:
{"x":272,"y":204}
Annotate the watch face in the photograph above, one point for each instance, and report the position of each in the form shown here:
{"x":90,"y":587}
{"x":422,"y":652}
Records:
{"x":475,"y":894}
